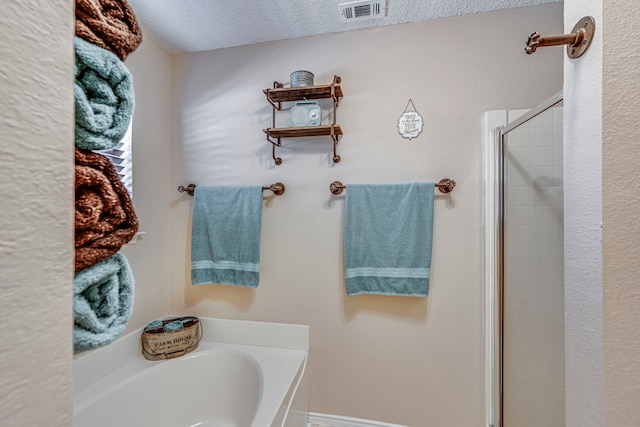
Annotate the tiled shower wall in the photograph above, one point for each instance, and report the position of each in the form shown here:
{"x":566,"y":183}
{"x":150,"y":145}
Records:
{"x":533,"y":290}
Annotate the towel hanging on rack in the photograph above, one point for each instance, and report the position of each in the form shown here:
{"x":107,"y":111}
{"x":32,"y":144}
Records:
{"x":388,"y":232}
{"x":225,"y":236}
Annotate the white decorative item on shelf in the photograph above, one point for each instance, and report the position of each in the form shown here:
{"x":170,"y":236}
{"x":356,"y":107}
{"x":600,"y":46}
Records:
{"x":305,"y":113}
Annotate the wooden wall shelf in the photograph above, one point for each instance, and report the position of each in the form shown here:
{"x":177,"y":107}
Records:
{"x":279,"y":94}
{"x":299,"y":132}
{"x":298,"y":93}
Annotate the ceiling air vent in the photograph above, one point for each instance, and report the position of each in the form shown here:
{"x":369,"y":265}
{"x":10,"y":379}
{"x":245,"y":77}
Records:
{"x":361,"y":10}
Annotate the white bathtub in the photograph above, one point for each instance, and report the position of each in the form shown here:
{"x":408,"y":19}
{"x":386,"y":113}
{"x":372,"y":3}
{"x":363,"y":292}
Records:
{"x":218,"y":385}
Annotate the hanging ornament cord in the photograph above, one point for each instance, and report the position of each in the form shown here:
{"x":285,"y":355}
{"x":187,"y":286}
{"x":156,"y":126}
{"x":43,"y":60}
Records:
{"x":410,"y":102}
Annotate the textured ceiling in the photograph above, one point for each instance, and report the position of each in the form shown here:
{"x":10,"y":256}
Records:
{"x":194,"y":25}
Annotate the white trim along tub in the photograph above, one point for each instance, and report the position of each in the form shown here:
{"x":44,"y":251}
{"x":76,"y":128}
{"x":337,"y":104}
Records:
{"x":243,"y":374}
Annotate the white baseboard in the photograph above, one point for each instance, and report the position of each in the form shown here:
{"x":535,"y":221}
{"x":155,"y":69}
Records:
{"x":326,"y":420}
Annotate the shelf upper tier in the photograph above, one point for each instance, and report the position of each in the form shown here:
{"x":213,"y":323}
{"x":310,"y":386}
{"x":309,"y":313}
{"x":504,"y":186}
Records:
{"x":286,"y":94}
{"x":303,"y":131}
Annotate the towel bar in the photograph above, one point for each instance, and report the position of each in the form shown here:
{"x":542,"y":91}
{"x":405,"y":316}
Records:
{"x":445,"y":185}
{"x":277,"y":189}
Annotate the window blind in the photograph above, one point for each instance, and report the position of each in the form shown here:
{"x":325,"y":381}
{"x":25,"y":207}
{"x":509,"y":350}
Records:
{"x":121,"y":157}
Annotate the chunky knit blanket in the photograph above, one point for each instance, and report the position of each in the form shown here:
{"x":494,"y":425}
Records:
{"x":105,"y":219}
{"x":109,"y":24}
{"x":104,"y":97}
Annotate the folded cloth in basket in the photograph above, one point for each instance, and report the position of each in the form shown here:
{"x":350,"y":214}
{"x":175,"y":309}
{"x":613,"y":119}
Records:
{"x":388,"y":233}
{"x":104,"y":97}
{"x":225,"y":235}
{"x":110,"y":24}
{"x":104,"y":219}
{"x":102,"y":303}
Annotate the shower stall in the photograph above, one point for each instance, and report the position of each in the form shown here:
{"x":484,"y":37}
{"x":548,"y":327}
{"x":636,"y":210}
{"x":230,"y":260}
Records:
{"x":524,"y":267}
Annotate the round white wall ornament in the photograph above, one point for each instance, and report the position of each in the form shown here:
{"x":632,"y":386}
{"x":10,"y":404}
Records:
{"x":410,"y":123}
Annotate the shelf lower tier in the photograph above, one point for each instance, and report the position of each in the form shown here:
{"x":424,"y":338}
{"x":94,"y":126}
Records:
{"x":303,"y":131}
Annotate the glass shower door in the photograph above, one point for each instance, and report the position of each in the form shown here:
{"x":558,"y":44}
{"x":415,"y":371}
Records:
{"x":532,"y":272}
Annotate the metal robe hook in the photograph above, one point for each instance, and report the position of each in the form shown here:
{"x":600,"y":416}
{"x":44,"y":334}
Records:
{"x":577,"y":42}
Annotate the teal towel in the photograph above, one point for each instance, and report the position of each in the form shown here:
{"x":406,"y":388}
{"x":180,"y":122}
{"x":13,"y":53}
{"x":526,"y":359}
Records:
{"x":388,"y":232}
{"x":225,"y":235}
{"x":102,"y":302}
{"x":104,"y":97}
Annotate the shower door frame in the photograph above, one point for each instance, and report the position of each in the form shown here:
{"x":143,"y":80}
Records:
{"x":494,"y":252}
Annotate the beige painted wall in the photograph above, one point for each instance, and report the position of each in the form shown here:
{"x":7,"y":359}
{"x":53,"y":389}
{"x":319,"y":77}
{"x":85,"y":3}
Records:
{"x":584,"y":365}
{"x":621,"y":201}
{"x":36,"y":215}
{"x":410,"y":361}
{"x":601,"y":133}
{"x":151,"y":70}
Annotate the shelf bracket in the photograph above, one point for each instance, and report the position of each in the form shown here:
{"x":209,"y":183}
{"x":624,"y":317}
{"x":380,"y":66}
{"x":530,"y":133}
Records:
{"x":276,"y":85}
{"x":277,"y":107}
{"x":336,"y":100}
{"x":277,"y":160}
{"x":336,"y":140}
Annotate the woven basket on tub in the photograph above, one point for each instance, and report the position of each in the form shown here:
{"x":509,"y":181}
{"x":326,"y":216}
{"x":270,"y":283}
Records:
{"x":158,"y":343}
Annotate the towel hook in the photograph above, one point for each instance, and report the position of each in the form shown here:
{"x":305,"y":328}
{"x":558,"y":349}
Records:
{"x":577,"y":42}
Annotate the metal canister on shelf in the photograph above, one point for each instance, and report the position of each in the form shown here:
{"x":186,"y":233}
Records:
{"x":301,"y":78}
